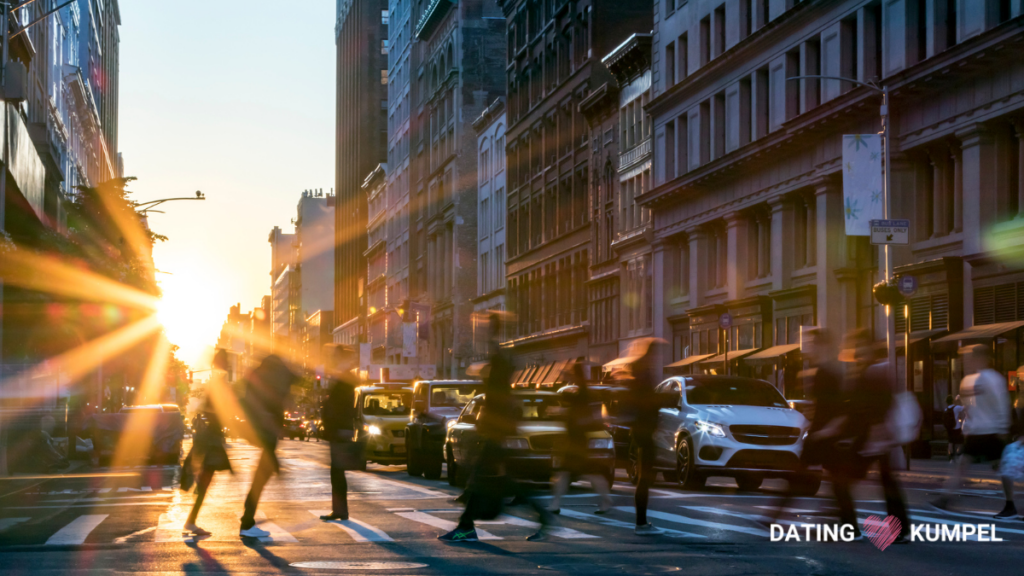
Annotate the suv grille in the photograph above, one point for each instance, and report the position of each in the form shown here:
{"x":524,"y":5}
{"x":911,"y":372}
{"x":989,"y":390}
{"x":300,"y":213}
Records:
{"x":764,"y":460}
{"x":544,"y":441}
{"x":765,"y":435}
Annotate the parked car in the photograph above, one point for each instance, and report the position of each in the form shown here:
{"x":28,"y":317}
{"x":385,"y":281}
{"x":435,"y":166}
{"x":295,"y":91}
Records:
{"x":382,"y":412}
{"x":735,"y":427}
{"x":540,"y":432}
{"x":163,"y":424}
{"x":434,"y":404}
{"x":294,"y":428}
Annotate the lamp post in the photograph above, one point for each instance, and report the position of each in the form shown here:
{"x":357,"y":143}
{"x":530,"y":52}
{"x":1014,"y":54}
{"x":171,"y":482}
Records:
{"x":890,"y":328}
{"x":154,"y":203}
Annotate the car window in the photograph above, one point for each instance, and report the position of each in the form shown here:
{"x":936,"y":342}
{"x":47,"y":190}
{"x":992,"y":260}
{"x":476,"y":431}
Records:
{"x":471,"y":411}
{"x":538,"y":408}
{"x":387,"y":404}
{"x":453,"y":395}
{"x":733,"y":392}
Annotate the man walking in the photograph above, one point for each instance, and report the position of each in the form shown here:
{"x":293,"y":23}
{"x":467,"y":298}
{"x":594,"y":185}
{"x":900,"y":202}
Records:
{"x":644,"y":405}
{"x":339,"y":415}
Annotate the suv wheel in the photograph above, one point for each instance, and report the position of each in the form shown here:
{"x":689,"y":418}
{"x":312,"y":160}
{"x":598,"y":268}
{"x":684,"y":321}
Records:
{"x":431,"y":466}
{"x":685,"y":468}
{"x":412,"y":463}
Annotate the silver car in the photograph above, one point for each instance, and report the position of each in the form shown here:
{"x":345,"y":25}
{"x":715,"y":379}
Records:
{"x":735,"y":427}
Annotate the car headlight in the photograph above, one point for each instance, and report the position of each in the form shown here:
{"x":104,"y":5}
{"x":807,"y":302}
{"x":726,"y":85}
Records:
{"x":711,"y":429}
{"x":373,"y":431}
{"x":516,"y":444}
{"x":601,"y":444}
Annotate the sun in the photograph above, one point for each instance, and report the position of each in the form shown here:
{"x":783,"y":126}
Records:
{"x":191,"y":319}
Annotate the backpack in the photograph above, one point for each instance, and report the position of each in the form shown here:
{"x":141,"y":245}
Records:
{"x":949,"y":418}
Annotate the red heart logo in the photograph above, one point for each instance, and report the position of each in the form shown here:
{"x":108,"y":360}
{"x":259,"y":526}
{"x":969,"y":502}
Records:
{"x":881,"y":532}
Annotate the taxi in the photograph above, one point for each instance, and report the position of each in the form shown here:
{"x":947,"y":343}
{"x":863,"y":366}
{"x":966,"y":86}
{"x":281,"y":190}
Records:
{"x":532,"y":453}
{"x":382,"y":413}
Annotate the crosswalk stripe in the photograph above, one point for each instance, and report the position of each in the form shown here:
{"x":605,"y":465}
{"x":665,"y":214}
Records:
{"x":557,"y":531}
{"x":77,"y":531}
{"x":6,"y":523}
{"x":443,"y":524}
{"x":358,"y":530}
{"x":620,"y":524}
{"x":676,"y":518}
{"x":277,"y":534}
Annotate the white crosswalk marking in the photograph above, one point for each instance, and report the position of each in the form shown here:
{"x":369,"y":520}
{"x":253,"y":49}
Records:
{"x":277,"y":534}
{"x":557,"y":531}
{"x":620,"y":524}
{"x":77,"y":531}
{"x":358,"y":530}
{"x":441,"y":523}
{"x":6,"y":523}
{"x":677,"y":519}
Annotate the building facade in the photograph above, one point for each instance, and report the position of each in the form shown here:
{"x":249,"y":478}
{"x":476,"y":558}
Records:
{"x":361,"y":35}
{"x":491,"y":192}
{"x":554,"y":63}
{"x":314,"y":245}
{"x":378,"y":311}
{"x":748,"y":200}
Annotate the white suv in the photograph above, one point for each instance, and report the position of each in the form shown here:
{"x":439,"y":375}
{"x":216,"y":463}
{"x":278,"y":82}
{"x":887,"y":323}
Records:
{"x":730,"y":426}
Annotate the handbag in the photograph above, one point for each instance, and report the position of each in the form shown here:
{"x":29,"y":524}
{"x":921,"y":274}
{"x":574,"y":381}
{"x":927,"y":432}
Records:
{"x":348,"y":454}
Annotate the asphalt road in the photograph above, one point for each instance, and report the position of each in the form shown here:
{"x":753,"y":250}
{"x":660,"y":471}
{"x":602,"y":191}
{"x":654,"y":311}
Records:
{"x":129,"y":521}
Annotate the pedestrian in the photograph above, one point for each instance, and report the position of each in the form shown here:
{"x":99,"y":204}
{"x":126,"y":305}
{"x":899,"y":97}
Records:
{"x":266,"y":391}
{"x":488,"y":483}
{"x":952,"y":421}
{"x":581,"y":416}
{"x":643,"y":407}
{"x":209,"y":446}
{"x":986,"y":422}
{"x":339,"y":415}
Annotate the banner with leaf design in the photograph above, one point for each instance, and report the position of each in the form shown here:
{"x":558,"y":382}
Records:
{"x":862,"y":182}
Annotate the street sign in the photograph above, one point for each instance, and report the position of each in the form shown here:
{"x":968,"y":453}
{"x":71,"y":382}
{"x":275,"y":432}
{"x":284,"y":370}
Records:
{"x":907,"y":285}
{"x":724,"y":321}
{"x":890,"y":231}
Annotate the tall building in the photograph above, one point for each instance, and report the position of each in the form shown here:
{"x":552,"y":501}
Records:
{"x":490,"y":222}
{"x":458,"y":57}
{"x":554,"y":62}
{"x":380,"y":315}
{"x":283,"y":289}
{"x":361,"y":36}
{"x":314,"y":245}
{"x":748,"y":201}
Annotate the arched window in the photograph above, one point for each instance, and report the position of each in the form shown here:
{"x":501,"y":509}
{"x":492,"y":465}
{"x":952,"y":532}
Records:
{"x":443,"y":69}
{"x":433,"y":79}
{"x":451,"y":60}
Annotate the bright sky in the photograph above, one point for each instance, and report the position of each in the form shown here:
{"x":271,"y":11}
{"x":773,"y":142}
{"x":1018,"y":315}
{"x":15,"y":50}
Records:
{"x":234,"y":98}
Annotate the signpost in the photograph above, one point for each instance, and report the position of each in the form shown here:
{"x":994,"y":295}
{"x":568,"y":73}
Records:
{"x":890,"y":232}
{"x":725,"y":322}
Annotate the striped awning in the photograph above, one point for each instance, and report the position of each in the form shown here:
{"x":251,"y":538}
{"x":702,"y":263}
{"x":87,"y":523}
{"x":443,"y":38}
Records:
{"x":687,"y":361}
{"x":733,"y":355}
{"x":772,"y":353}
{"x":980,"y":333}
{"x":555,"y":374}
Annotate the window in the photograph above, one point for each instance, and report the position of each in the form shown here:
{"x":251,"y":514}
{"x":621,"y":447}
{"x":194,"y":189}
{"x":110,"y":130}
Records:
{"x":670,"y":64}
{"x":683,"y":56}
{"x":384,"y":46}
{"x":484,"y":226}
{"x":719,"y":32}
{"x":384,"y":77}
{"x":384,"y":17}
{"x":499,"y":262}
{"x":705,"y":41}
{"x":499,"y":209}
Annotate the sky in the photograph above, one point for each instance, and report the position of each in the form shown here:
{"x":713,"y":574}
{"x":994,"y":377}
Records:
{"x":234,"y":98}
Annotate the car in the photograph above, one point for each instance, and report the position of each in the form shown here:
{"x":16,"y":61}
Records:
{"x":434,"y":404}
{"x":740,"y":428}
{"x":610,"y":396}
{"x":531,"y":451}
{"x":162,"y":424}
{"x":382,"y":412}
{"x":294,"y":428}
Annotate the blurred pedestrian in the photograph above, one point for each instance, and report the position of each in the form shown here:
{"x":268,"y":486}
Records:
{"x":489,"y":483}
{"x":339,"y":415}
{"x":209,"y":446}
{"x":986,"y":422}
{"x":266,"y":391}
{"x":582,"y":416}
{"x":643,"y":407}
{"x":952,"y":421}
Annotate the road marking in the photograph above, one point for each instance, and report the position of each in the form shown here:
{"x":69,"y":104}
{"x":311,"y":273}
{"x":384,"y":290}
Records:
{"x":6,"y":523}
{"x":277,"y":534}
{"x":446,"y":525}
{"x":77,"y":531}
{"x":142,"y":489}
{"x":695,"y":522}
{"x":124,"y":539}
{"x":753,"y":517}
{"x":408,"y":485}
{"x":789,"y":510}
{"x":92,"y":505}
{"x":620,"y":524}
{"x":557,"y":531}
{"x":358,"y":530}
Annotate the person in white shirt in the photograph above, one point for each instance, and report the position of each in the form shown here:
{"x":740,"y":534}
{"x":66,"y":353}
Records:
{"x":986,"y":421}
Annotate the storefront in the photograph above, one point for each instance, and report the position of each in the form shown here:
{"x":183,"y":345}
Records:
{"x":1007,"y":341}
{"x":779,"y":365}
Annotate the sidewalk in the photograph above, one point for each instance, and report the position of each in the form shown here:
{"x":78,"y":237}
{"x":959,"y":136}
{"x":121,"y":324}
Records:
{"x":939,"y":470}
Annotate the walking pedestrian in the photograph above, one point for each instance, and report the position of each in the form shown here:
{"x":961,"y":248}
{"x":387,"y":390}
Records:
{"x":952,"y":421}
{"x":643,"y":407}
{"x":488,"y":483}
{"x":581,"y":417}
{"x":339,"y":414}
{"x":986,"y":422}
{"x":266,"y":391}
{"x":209,"y":446}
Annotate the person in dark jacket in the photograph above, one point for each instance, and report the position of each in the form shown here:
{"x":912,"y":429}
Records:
{"x":266,"y":391}
{"x":644,"y":404}
{"x":582,"y":415}
{"x":209,"y":446}
{"x":338,"y":414}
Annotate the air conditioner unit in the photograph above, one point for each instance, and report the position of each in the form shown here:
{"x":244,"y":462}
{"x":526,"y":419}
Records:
{"x":16,"y":82}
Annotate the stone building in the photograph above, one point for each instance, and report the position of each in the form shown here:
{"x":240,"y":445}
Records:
{"x":378,"y":310}
{"x":490,"y":259}
{"x":554,"y":63}
{"x":747,"y":196}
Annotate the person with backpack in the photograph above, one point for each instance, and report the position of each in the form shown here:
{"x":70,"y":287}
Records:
{"x":952,"y":421}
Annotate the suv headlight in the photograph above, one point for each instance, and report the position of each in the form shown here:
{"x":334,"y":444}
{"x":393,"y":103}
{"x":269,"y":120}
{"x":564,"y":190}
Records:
{"x":710,"y":428}
{"x":601,"y":444}
{"x":373,"y":430}
{"x":516,"y":444}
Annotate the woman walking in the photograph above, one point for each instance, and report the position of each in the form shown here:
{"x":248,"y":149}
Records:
{"x":209,"y":446}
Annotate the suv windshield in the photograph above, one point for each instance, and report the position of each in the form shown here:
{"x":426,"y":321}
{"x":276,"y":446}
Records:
{"x":387,"y":404}
{"x":538,"y":408}
{"x":733,"y":392}
{"x":453,"y":395}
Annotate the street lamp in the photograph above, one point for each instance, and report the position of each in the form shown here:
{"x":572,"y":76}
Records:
{"x":890,"y":329}
{"x":154,"y":203}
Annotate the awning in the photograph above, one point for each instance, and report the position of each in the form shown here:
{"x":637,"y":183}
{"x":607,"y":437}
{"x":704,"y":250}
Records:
{"x":687,"y":361}
{"x":734,"y":355}
{"x":516,"y":376}
{"x":980,"y":333}
{"x":542,"y":374}
{"x":528,"y":374}
{"x":916,"y":337}
{"x":772,"y":353}
{"x":555,"y":374}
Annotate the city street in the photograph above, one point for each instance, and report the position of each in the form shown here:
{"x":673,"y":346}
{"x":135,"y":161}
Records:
{"x":129,"y":521}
